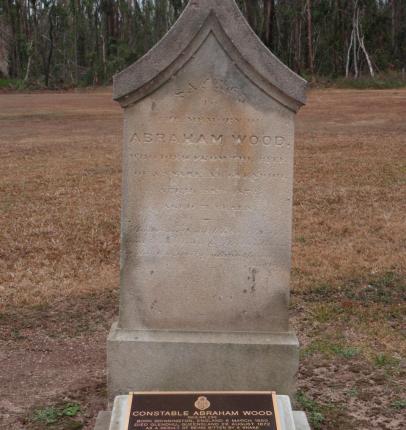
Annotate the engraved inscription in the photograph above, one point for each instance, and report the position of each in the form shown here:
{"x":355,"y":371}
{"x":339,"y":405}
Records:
{"x":205,"y":158}
{"x":208,"y":119}
{"x":219,"y":85}
{"x":205,"y":139}
{"x":220,"y":172}
{"x":207,"y":174}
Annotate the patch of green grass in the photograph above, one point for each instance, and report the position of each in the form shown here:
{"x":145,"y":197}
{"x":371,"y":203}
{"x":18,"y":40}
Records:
{"x":386,"y":361}
{"x":388,"y":285}
{"x":16,"y":335}
{"x":330,"y":349}
{"x":352,"y":392}
{"x":347,"y":351}
{"x":11,"y":83}
{"x":385,"y":80}
{"x":379,"y":83}
{"x":47,"y":415}
{"x":325,"y":312}
{"x":323,"y":415}
{"x":71,"y":410}
{"x":319,"y":292}
{"x":385,"y":288}
{"x":399,"y":404}
{"x":58,"y":415}
{"x":313,"y":409}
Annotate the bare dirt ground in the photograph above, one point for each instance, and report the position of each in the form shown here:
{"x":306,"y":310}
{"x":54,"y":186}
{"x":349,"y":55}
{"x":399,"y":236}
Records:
{"x":60,"y":182}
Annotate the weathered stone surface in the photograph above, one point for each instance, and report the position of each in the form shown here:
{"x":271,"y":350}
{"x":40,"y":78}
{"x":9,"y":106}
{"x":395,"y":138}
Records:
{"x":207,"y":211}
{"x":206,"y":228}
{"x":180,"y":361}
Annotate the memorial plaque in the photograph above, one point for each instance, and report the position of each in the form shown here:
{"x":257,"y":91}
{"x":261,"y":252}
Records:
{"x":203,"y":411}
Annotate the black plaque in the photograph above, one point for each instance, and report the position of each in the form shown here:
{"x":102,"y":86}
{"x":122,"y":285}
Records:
{"x":203,"y":411}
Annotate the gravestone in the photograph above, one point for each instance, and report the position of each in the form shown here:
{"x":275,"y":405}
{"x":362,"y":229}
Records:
{"x":209,"y":118}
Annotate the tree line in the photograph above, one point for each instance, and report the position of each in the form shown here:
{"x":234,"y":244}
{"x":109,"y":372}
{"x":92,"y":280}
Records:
{"x":84,"y":42}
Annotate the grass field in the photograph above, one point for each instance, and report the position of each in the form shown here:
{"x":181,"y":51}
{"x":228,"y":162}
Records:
{"x":60,"y":183}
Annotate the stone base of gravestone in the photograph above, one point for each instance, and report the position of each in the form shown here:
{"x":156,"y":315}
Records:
{"x":182,"y":361}
{"x":290,"y":420}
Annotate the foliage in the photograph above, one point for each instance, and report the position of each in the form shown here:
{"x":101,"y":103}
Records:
{"x":48,"y":415}
{"x":386,"y":361}
{"x":313,"y":409}
{"x":399,"y":404}
{"x":84,"y":42}
{"x":382,"y":82}
{"x":328,"y":348}
{"x":71,"y":410}
{"x":52,"y":414}
{"x":10,"y":83}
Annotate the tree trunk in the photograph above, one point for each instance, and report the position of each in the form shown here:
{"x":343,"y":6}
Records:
{"x":297,"y":45}
{"x":27,"y":72}
{"x":269,"y":10}
{"x":310,"y":37}
{"x":47,"y":65}
{"x":347,"y":66}
{"x":362,"y":46}
{"x":355,"y":51}
{"x":177,"y":7}
{"x":252,"y":13}
{"x":393,"y":25}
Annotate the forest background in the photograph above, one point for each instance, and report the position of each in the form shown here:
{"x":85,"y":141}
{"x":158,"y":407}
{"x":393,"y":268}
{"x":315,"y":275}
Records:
{"x":66,"y":43}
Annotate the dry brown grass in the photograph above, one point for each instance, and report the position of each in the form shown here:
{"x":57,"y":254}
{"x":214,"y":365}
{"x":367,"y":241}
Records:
{"x":60,"y":186}
{"x":350,"y":186}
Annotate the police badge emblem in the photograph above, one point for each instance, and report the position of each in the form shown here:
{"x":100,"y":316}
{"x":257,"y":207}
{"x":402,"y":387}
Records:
{"x":202,"y":403}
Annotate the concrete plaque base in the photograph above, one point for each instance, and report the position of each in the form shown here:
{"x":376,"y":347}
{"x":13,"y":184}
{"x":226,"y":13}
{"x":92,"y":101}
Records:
{"x":183,"y":361}
{"x":290,"y":420}
{"x":103,"y":421}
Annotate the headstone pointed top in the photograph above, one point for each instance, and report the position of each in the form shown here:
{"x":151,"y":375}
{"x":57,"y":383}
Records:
{"x":224,"y":19}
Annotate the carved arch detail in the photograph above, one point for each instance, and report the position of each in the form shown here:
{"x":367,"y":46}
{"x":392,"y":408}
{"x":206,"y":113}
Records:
{"x":200,"y":18}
